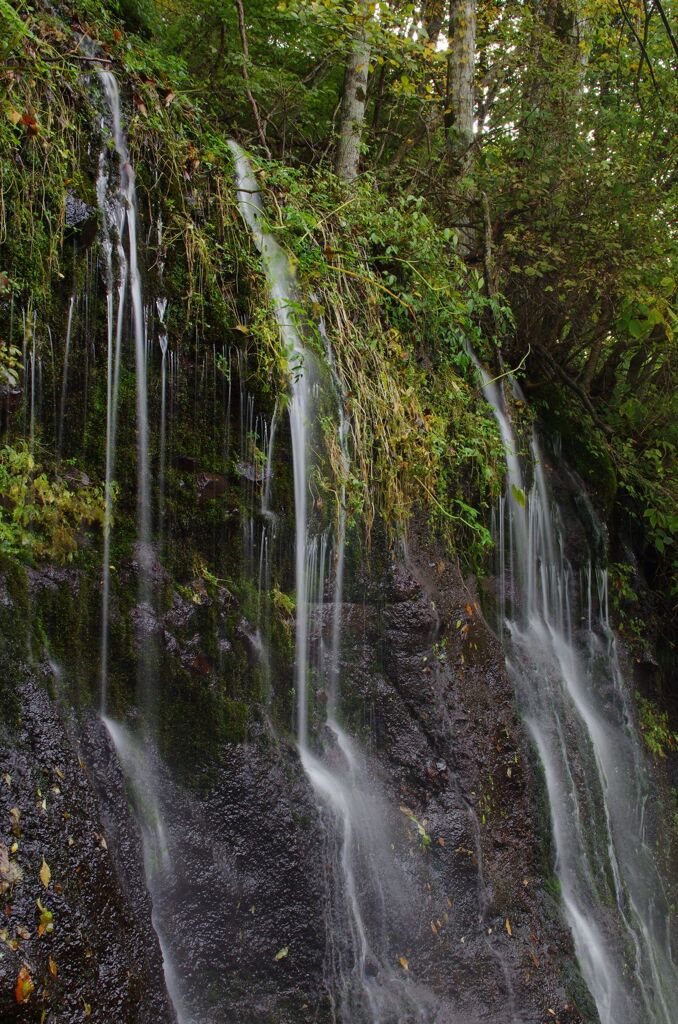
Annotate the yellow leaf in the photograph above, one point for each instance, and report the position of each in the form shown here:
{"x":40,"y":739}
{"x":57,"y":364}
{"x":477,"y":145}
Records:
{"x":404,"y":963}
{"x":242,"y":328}
{"x":45,"y":873}
{"x":53,"y":969}
{"x":14,"y":116}
{"x":507,"y":926}
{"x":281,"y":954}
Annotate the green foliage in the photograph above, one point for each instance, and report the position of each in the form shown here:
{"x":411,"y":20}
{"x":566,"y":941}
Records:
{"x":423,"y":835}
{"x":10,"y":366}
{"x":40,"y":516}
{"x":398,"y":307}
{"x":572,"y":155}
{"x":654,"y":726}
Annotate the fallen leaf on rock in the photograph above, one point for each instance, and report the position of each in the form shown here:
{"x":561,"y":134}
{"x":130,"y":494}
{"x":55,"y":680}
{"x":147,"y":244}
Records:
{"x":281,"y":954}
{"x":45,"y":873}
{"x":507,"y":926}
{"x":10,"y":872}
{"x":46,"y":922}
{"x":53,"y":969}
{"x":24,"y":986}
{"x":404,"y":963}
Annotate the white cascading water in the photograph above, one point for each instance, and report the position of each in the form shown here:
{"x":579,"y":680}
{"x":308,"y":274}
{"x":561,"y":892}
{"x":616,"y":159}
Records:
{"x":367,"y":900}
{"x":134,"y":753}
{"x":562,"y":655}
{"x":111,"y":218}
{"x":276,"y":265}
{"x":128,"y":206}
{"x":64,"y":378}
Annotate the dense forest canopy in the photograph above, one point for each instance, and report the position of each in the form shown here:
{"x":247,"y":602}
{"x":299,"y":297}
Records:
{"x":537,"y":139}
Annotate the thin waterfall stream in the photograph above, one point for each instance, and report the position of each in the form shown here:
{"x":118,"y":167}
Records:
{"x":363,"y":982}
{"x":562,"y":654}
{"x":118,"y":210}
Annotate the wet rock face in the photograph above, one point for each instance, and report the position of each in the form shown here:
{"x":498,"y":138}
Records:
{"x":422,"y":667}
{"x":424,"y":687}
{"x":210,"y":485}
{"x":246,"y":881}
{"x":92,"y":944}
{"x":81,"y":220}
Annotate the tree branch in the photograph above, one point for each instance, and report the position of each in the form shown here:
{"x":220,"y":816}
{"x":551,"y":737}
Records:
{"x":667,"y":26}
{"x":246,"y":78}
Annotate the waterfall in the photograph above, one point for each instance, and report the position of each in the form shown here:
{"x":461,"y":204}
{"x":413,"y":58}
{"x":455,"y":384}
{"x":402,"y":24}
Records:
{"x":368,"y":905}
{"x":128,"y":204}
{"x":135,"y":753}
{"x":562,"y":655}
{"x":276,"y":265}
{"x":64,"y":379}
{"x":109,"y":220}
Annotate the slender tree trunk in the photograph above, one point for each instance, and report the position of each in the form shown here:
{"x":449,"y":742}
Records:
{"x":353,"y":100}
{"x":460,"y":67}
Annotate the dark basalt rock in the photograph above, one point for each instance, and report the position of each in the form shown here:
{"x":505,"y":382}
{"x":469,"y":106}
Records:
{"x":81,"y":220}
{"x":103,"y":947}
{"x":76,"y":477}
{"x":251,"y":472}
{"x":250,"y":872}
{"x":210,"y":485}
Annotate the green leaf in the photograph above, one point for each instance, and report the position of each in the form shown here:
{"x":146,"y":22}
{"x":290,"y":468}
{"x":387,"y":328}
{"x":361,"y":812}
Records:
{"x":519,"y":495}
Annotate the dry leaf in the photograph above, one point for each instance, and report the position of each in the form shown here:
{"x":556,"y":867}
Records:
{"x":404,"y":963}
{"x":10,"y":872}
{"x":45,"y":873}
{"x":507,"y":926}
{"x":281,"y":954}
{"x":53,"y":969}
{"x":30,"y":123}
{"x":14,"y":116}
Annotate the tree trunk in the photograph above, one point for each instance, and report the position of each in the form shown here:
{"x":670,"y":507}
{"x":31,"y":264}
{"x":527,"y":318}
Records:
{"x":353,"y":100}
{"x":460,"y":67}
